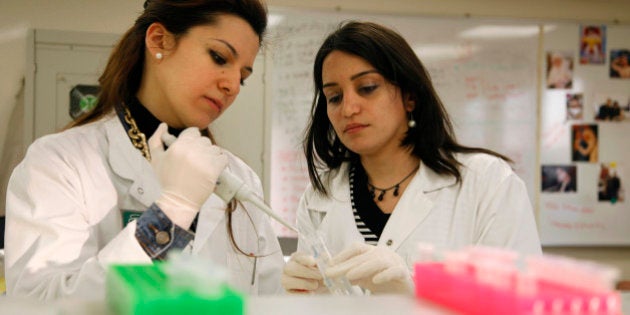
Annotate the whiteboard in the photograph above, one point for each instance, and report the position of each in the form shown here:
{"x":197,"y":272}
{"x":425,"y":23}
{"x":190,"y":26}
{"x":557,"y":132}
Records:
{"x":485,"y":72}
{"x":583,"y":217}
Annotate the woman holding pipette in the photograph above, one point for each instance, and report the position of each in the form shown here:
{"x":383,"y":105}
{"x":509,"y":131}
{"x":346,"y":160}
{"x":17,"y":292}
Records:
{"x":119,"y":186}
{"x":387,"y":173}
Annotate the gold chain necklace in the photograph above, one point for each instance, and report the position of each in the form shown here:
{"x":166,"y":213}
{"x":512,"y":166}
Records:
{"x":138,"y":139}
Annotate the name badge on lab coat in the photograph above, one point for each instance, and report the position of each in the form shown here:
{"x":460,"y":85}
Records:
{"x":130,"y":215}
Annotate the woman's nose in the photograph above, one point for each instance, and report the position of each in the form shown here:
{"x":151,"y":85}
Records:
{"x":230,"y":83}
{"x":350,"y":105}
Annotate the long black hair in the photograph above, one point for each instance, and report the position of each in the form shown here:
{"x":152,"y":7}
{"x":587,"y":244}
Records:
{"x":432,"y":139}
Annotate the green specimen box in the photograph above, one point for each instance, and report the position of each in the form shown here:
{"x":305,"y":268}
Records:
{"x":149,"y":289}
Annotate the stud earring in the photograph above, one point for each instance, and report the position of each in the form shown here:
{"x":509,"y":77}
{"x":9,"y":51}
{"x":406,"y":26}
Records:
{"x":412,"y":122}
{"x":158,"y":56}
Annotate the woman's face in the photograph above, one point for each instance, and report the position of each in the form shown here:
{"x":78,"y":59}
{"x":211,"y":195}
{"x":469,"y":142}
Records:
{"x":562,"y":175}
{"x":366,"y":111}
{"x":199,"y":77}
{"x":556,"y":61}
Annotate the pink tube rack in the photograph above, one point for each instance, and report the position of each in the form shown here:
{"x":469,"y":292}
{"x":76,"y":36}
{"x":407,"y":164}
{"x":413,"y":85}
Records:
{"x":461,"y":291}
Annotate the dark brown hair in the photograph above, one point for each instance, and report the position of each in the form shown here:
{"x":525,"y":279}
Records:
{"x":432,"y":140}
{"x":122,"y":75}
{"x":121,"y":78}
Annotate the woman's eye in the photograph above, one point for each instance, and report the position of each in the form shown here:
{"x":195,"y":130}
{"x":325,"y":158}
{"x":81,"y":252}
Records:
{"x":334,"y":99}
{"x":242,"y":82}
{"x":368,"y":88}
{"x":217,"y":58}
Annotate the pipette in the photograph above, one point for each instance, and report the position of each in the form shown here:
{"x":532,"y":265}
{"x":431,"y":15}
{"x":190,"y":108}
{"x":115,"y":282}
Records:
{"x":229,"y":186}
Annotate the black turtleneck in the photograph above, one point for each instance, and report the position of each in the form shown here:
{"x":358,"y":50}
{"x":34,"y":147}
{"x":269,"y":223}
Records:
{"x":146,"y":122}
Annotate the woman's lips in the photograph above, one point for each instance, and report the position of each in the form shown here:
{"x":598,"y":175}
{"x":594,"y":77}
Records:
{"x":215,"y":103}
{"x":354,"y":128}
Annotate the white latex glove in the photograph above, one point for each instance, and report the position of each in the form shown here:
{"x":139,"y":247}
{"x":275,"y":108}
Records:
{"x":300,"y":275}
{"x":156,"y":146}
{"x":378,"y":269}
{"x":188,"y":171}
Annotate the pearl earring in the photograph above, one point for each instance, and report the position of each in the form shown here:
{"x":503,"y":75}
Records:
{"x":412,"y":122}
{"x":159,"y":56}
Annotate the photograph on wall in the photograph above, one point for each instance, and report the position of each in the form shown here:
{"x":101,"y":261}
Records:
{"x":592,"y":44}
{"x":585,"y":143}
{"x":619,"y":63}
{"x":611,"y":107}
{"x":609,"y":185}
{"x":559,"y":70}
{"x":575,"y":106}
{"x":559,"y":178}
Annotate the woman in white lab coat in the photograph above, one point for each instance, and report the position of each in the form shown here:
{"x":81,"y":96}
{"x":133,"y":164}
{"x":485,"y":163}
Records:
{"x":387,"y":173}
{"x":110,"y":190}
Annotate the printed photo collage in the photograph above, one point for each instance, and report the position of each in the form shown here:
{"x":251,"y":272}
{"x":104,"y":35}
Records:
{"x":584,"y":117}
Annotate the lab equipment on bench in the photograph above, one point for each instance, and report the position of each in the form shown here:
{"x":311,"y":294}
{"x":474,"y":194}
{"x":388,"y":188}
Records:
{"x":183,"y":284}
{"x":492,"y":281}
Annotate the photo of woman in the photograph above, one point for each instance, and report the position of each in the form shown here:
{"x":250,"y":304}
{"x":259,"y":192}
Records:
{"x":575,"y":106}
{"x":559,"y":70}
{"x":619,"y":64}
{"x":592,"y":44}
{"x":585,"y":148}
{"x":559,"y":178}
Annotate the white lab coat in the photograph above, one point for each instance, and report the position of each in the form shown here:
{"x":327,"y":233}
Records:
{"x":490,"y":207}
{"x":64,"y":223}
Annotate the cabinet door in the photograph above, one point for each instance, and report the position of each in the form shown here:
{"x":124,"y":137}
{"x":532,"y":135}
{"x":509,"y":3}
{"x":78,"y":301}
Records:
{"x":63,"y":61}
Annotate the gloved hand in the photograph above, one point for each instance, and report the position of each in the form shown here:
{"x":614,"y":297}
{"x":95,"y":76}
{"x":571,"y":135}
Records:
{"x":300,"y":275}
{"x":377,"y":269}
{"x":156,"y":146}
{"x":188,"y":171}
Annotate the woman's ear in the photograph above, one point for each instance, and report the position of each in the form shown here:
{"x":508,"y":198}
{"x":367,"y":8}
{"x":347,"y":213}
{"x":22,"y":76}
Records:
{"x":410,"y":103}
{"x":158,"y":40}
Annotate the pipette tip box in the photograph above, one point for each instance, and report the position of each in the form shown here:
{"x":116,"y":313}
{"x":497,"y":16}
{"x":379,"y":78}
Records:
{"x":463,"y":292}
{"x":145,"y":289}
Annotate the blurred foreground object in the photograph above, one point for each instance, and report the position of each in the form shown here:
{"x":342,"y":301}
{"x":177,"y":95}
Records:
{"x":484,"y":280}
{"x":182,"y":285}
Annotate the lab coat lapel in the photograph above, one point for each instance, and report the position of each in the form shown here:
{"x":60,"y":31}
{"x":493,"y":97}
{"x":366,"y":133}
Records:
{"x":128,"y":163}
{"x":413,"y":207}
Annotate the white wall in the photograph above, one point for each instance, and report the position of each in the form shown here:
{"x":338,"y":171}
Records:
{"x":115,"y":16}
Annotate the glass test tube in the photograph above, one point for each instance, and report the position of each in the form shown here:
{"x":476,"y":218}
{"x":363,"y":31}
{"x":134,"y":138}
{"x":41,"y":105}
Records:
{"x":336,"y":286}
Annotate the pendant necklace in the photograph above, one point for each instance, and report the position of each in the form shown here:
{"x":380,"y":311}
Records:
{"x":373,"y":189}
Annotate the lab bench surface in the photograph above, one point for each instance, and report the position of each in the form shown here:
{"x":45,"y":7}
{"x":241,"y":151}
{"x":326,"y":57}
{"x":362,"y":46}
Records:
{"x":265,"y":305}
{"x":259,"y":305}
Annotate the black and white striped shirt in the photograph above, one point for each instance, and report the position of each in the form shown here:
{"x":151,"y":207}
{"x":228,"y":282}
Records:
{"x":369,"y":218}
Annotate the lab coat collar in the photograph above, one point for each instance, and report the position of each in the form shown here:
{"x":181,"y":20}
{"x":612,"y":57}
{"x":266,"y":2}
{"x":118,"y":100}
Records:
{"x":431,"y":181}
{"x":127,"y":162}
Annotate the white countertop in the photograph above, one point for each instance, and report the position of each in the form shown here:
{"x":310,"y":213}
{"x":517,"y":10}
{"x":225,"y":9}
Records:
{"x":260,"y":305}
{"x":264,"y":305}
